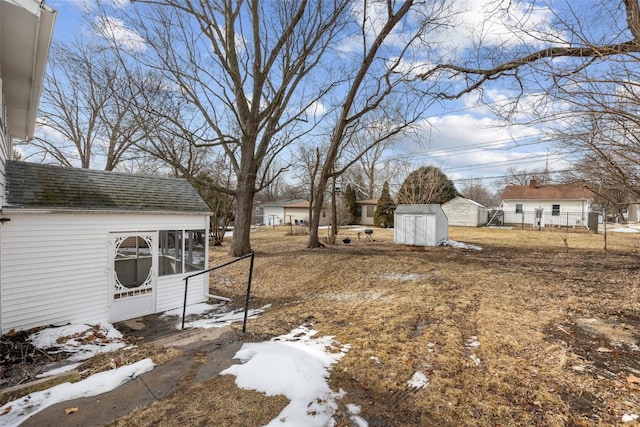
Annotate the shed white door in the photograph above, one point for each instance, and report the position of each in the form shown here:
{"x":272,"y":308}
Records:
{"x":134,"y":266}
{"x":415,"y":230}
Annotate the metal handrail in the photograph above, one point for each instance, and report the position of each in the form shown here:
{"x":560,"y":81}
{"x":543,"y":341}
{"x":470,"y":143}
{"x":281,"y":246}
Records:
{"x":246,"y":303}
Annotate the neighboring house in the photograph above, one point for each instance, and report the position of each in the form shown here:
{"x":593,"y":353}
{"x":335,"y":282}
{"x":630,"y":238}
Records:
{"x":464,"y":212}
{"x":633,"y":212}
{"x":365,"y":210}
{"x":78,"y":245}
{"x":273,"y":212}
{"x":547,"y":205}
{"x":420,"y":225}
{"x":298,"y":214}
{"x":257,"y":213}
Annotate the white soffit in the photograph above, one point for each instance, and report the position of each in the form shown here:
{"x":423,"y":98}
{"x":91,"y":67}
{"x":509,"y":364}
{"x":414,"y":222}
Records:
{"x":26,"y":28}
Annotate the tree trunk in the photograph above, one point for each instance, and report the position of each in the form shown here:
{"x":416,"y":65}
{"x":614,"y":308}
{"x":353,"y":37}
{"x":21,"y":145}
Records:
{"x":334,"y":213}
{"x":241,"y":244}
{"x":314,"y":238}
{"x":318,"y":201}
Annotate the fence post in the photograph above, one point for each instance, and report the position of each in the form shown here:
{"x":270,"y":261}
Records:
{"x":246,"y":302}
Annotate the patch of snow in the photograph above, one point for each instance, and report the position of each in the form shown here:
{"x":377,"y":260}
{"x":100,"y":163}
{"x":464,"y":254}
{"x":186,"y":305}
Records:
{"x":418,"y":380}
{"x":297,"y":366}
{"x":625,"y":230}
{"x":17,"y":411}
{"x":627,"y":418}
{"x":59,"y":370}
{"x":460,"y":245}
{"x":354,"y":410}
{"x":475,"y":359}
{"x":212,"y":315}
{"x":81,"y":340}
{"x":473,"y":342}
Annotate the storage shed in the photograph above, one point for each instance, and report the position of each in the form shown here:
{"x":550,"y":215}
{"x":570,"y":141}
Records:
{"x":420,"y":225}
{"x":464,"y":212}
{"x":92,"y":246}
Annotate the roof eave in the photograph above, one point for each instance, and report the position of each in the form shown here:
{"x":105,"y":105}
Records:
{"x":26,"y":33}
{"x":50,"y":210}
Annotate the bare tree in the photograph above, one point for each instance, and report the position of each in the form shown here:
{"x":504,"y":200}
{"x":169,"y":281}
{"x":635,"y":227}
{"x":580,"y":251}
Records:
{"x":478,"y":192}
{"x":83,"y":118}
{"x":370,"y":158}
{"x":379,"y":71}
{"x":591,"y":95}
{"x":523,"y":177}
{"x":242,"y":66}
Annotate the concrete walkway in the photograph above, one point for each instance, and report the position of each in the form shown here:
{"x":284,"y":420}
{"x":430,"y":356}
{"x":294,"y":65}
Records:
{"x":218,"y":344}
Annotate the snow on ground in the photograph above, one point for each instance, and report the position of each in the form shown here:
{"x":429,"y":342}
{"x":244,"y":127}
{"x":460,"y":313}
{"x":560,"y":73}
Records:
{"x":418,"y":380}
{"x":460,"y":245}
{"x":15,"y":412}
{"x":212,"y":315}
{"x":81,"y":340}
{"x":297,"y":366}
{"x":625,"y":230}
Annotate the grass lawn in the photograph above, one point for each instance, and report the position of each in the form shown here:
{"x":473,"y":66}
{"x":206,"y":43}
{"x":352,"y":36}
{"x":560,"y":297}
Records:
{"x":539,"y":328}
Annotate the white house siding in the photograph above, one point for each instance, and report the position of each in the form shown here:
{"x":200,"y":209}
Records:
{"x":367,"y":215}
{"x":4,"y":148}
{"x":171,"y":291}
{"x":273,"y":215}
{"x":572,"y":212}
{"x":55,"y":267}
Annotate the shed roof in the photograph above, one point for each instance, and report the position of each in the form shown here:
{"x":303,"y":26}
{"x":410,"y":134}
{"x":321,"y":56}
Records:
{"x":281,"y":203}
{"x":418,"y":209}
{"x":367,"y":202}
{"x":38,"y":186}
{"x":305,"y":204}
{"x":547,"y":192}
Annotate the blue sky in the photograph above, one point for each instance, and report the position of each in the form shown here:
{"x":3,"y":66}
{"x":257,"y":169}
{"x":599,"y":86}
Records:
{"x":461,"y":137}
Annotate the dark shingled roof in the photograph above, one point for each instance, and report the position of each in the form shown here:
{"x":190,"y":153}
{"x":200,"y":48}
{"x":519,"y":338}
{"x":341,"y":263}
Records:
{"x":38,"y":186}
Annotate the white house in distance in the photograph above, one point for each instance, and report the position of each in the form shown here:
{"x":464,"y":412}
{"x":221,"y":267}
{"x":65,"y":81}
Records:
{"x":420,"y":225}
{"x":566,"y":205}
{"x":78,"y":245}
{"x":298,"y":213}
{"x":464,"y":212}
{"x":273,"y":212}
{"x":365,"y":211}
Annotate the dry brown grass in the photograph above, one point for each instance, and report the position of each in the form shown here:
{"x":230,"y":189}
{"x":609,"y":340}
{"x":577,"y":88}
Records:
{"x":537,"y":329}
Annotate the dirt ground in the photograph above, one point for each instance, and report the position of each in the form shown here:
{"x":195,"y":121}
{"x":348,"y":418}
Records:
{"x":539,"y":328}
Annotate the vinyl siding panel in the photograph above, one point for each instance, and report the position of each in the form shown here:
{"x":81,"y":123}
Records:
{"x":171,"y":291}
{"x":55,"y":267}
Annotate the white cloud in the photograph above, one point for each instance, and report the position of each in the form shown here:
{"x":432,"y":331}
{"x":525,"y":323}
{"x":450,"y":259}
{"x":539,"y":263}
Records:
{"x":489,"y":21}
{"x":316,"y":110}
{"x":470,"y":145}
{"x":115,"y":30}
